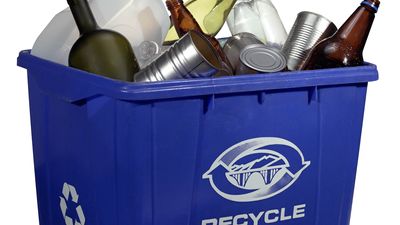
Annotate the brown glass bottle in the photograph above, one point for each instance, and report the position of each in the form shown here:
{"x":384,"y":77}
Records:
{"x":98,"y":51}
{"x":184,"y":22}
{"x":345,"y":47}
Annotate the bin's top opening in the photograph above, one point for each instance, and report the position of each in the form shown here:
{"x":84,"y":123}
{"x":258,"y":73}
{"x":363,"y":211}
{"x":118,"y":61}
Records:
{"x":75,"y":85}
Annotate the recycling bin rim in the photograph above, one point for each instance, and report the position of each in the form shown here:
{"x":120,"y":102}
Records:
{"x":74,"y":85}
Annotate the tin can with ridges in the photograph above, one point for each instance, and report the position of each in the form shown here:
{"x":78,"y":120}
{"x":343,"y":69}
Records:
{"x":309,"y":29}
{"x":190,"y":57}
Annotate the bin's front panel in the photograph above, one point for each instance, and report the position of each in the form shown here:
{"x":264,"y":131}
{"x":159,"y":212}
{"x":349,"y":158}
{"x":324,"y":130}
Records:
{"x":290,"y":160}
{"x":283,"y":157}
{"x":280,"y":157}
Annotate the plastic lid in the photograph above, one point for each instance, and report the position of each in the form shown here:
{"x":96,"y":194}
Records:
{"x":263,"y":59}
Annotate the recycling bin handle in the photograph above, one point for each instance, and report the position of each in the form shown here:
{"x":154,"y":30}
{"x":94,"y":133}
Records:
{"x":65,"y":83}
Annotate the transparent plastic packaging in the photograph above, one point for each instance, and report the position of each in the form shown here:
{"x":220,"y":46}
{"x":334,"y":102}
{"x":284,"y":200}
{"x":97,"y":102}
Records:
{"x":137,"y":20}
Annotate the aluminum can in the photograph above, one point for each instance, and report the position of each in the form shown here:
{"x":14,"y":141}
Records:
{"x":190,"y":57}
{"x":309,"y":29}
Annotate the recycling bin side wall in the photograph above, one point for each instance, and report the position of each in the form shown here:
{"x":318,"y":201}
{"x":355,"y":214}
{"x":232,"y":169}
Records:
{"x":255,"y":156}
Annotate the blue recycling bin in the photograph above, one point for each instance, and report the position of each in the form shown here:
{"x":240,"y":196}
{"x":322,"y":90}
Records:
{"x":248,"y":150}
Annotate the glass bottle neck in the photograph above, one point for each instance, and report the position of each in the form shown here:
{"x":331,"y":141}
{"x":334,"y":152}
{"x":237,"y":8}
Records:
{"x":83,"y":16}
{"x":174,"y":4}
{"x":355,"y":30}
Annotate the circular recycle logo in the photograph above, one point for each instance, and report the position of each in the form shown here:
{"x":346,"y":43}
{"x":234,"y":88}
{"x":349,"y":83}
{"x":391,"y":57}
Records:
{"x":71,"y":210}
{"x":256,"y":169}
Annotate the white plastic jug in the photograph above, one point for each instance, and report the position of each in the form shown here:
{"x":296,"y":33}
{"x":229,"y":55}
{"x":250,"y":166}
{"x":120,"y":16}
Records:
{"x":244,"y":19}
{"x":260,"y":18}
{"x":274,"y":30}
{"x":138,"y":20}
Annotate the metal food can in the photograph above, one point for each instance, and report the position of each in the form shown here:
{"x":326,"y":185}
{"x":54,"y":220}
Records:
{"x":309,"y":29}
{"x":190,"y":57}
{"x":248,"y":55}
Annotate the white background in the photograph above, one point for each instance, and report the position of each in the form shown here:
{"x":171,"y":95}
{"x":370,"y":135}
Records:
{"x":377,"y":198}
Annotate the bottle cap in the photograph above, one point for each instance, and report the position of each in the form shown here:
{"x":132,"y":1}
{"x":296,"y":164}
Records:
{"x":263,"y":58}
{"x":374,"y":4}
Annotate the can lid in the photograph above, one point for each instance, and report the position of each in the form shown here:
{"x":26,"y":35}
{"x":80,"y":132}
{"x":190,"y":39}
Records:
{"x":148,"y":49}
{"x":263,"y":59}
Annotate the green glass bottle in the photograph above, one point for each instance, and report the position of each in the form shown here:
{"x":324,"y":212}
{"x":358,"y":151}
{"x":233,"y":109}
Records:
{"x":99,"y":51}
{"x":210,"y":14}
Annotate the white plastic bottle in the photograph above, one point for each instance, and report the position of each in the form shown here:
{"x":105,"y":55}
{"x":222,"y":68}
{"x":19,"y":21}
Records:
{"x":260,"y":18}
{"x":243,"y":19}
{"x":138,"y":20}
{"x":274,"y":30}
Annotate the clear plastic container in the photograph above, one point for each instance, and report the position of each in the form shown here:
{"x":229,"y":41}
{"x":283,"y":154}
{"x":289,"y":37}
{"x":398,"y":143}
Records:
{"x":137,"y":20}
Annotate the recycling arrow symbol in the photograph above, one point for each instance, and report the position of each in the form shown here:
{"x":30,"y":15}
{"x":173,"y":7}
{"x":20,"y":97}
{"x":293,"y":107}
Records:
{"x":69,"y":193}
{"x":273,"y":165}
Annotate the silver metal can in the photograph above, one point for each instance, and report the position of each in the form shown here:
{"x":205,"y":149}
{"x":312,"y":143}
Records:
{"x":248,"y":55}
{"x":309,"y":29}
{"x":190,"y":57}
